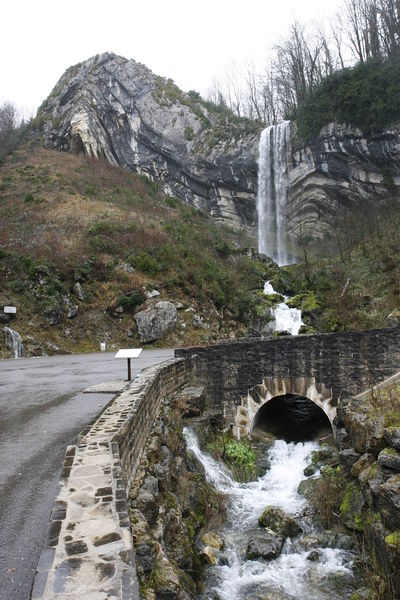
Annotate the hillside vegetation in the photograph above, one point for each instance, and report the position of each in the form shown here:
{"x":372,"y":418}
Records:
{"x":366,"y":96}
{"x":67,"y":220}
{"x":356,"y":289}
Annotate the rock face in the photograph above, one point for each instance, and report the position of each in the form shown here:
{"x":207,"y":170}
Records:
{"x":341,"y":169}
{"x":116,"y":108}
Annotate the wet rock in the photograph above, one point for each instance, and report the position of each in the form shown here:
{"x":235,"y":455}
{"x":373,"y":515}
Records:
{"x":389,"y":502}
{"x":207,"y":555}
{"x":150,"y":484}
{"x":267,"y":546}
{"x":390,"y":458}
{"x":314,"y":556}
{"x":310,"y":470}
{"x":361,"y":464}
{"x":348,"y":458}
{"x":352,"y":507}
{"x":191,"y":400}
{"x":392,"y":437}
{"x":325,"y":539}
{"x":366,"y":430}
{"x":281,"y":523}
{"x":166,"y":582}
{"x":343,"y":440}
{"x":325,"y":456}
{"x":306,"y":487}
{"x":213,"y":540}
{"x":154,"y":323}
{"x":146,"y":502}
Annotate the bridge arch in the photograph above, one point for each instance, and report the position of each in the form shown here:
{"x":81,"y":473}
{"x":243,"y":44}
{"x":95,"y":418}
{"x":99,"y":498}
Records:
{"x":273,"y":387}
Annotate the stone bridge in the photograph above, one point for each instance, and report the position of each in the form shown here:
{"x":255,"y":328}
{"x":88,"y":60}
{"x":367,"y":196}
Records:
{"x":89,"y":551}
{"x":242,"y":376}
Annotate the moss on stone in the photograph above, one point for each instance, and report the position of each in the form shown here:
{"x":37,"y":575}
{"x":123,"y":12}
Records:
{"x":393,"y":539}
{"x":310,"y":303}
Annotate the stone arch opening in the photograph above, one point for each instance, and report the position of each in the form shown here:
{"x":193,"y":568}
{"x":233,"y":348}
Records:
{"x":292,"y":418}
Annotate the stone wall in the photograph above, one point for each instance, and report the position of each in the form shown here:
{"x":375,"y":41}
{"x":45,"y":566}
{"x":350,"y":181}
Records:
{"x":89,"y":551}
{"x":347,"y":363}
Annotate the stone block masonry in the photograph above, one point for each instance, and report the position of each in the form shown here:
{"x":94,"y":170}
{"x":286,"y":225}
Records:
{"x":89,"y":551}
{"x":345,"y":363}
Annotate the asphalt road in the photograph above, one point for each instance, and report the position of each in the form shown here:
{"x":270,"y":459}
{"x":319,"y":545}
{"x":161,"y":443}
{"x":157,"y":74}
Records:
{"x":42,"y":409}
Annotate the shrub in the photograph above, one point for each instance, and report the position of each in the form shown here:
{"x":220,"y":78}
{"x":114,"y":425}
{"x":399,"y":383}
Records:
{"x":144,"y":262}
{"x":29,"y":197}
{"x":326,"y":496}
{"x":132,"y":299}
{"x":365,"y":96}
{"x":189,"y":133}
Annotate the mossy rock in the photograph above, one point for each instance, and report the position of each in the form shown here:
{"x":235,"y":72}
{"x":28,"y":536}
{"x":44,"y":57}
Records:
{"x":273,"y":299}
{"x":307,"y":330}
{"x":393,"y":539}
{"x":279,"y":522}
{"x":351,"y":508}
{"x":296,"y":301}
{"x":310,"y":304}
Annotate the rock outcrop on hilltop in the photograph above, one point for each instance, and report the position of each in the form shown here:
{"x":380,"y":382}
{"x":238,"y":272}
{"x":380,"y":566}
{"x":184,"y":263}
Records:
{"x":116,"y":108}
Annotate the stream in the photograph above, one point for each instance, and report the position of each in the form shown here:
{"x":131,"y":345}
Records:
{"x":291,"y":576}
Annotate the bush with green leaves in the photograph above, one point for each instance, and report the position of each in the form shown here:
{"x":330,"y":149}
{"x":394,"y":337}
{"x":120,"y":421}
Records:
{"x":367,"y":96}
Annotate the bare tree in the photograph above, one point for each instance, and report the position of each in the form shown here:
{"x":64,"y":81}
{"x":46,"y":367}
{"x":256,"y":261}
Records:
{"x":8,"y":127}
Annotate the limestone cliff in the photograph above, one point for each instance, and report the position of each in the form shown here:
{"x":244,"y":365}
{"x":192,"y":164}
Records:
{"x":116,"y":108}
{"x":340,"y":169}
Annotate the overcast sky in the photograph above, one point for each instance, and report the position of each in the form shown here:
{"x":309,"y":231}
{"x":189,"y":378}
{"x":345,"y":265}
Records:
{"x":190,"y":42}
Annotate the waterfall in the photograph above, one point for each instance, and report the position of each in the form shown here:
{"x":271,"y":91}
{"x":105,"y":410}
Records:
{"x":13,"y":341}
{"x":286,"y":318}
{"x":274,"y":149}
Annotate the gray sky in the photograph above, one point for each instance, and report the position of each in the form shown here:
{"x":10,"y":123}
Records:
{"x":191,"y":42}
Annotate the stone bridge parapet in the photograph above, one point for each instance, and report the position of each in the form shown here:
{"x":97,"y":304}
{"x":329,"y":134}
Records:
{"x":89,"y":550}
{"x":241,"y":375}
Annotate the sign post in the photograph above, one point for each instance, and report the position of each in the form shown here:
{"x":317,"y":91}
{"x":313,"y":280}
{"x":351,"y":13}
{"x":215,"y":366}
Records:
{"x":128,"y":353}
{"x":10,"y":310}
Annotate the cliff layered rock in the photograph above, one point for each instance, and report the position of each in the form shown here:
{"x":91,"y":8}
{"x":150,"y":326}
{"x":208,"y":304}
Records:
{"x":118,"y":109}
{"x":340,"y":173}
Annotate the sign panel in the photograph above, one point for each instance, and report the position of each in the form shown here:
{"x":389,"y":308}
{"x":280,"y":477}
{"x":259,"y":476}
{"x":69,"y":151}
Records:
{"x":128,"y":353}
{"x":10,"y":310}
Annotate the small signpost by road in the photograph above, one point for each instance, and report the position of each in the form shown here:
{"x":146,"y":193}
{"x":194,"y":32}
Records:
{"x":10,"y":310}
{"x":128,"y":353}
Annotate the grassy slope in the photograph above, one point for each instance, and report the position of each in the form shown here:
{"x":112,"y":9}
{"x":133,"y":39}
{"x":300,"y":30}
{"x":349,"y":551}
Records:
{"x":67,"y":219}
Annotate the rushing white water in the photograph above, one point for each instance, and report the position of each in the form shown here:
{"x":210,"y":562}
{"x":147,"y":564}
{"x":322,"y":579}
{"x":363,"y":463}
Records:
{"x":13,"y":341}
{"x":292,"y":573}
{"x":286,"y":318}
{"x":273,"y":154}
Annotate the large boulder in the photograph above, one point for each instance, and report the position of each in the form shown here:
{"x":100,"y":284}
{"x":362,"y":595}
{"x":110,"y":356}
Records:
{"x":366,"y":429}
{"x":279,"y":522}
{"x":389,"y":502}
{"x":267,"y":546}
{"x":154,"y":323}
